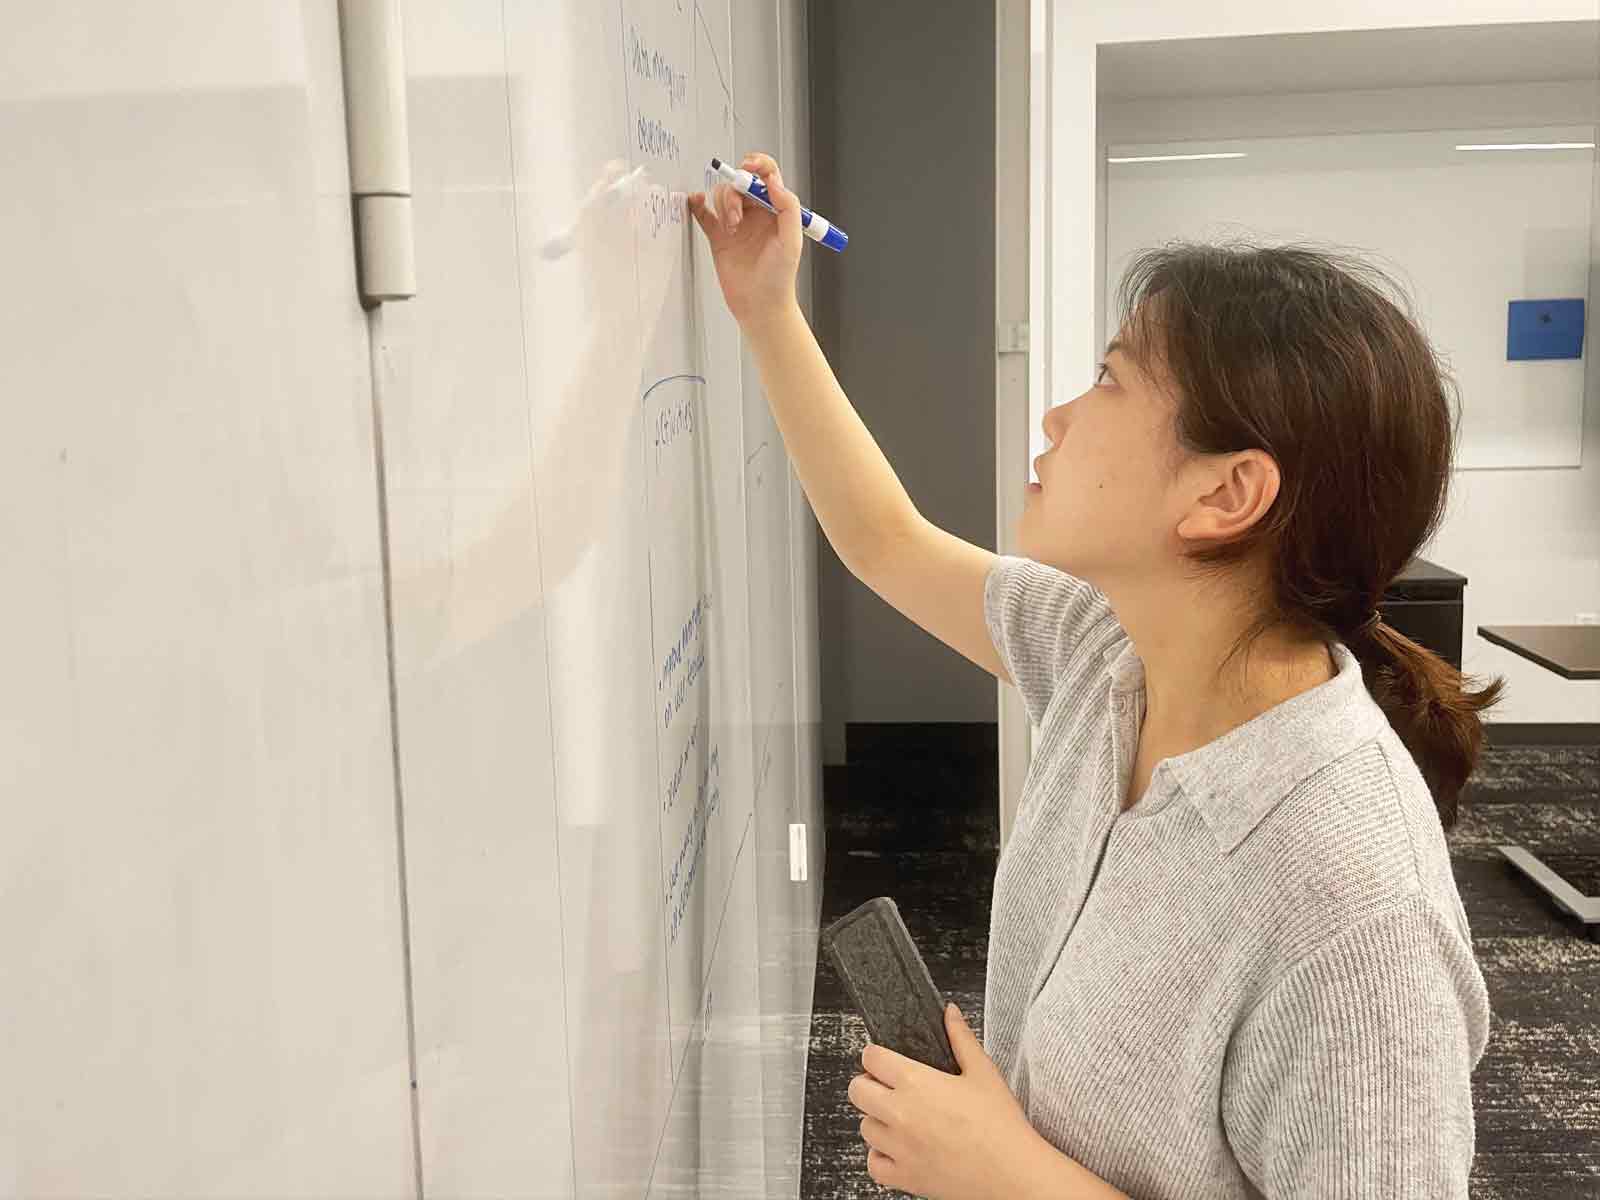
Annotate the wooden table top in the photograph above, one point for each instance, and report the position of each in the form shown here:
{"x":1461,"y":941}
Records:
{"x":1571,"y":651}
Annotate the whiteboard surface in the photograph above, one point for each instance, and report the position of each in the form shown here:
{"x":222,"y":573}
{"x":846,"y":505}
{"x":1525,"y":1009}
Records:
{"x":607,"y":941}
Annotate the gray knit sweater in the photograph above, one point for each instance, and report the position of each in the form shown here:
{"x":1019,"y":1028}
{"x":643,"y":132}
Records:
{"x":1259,"y":980}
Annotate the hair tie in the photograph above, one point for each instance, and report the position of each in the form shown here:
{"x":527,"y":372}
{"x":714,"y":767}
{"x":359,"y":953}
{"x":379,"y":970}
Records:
{"x":1370,"y":625}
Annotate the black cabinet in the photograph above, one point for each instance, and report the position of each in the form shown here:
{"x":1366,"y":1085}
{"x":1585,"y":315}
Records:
{"x":1425,"y":603}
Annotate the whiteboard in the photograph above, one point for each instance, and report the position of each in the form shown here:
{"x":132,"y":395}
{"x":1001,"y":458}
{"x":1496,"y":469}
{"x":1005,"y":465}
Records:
{"x":408,"y":715}
{"x":612,"y":960}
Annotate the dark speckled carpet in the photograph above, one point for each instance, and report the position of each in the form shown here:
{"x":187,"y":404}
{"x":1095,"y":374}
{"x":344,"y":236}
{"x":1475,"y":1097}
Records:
{"x":914,"y":816}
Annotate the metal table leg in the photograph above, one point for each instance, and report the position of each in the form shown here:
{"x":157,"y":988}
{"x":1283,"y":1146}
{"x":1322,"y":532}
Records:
{"x":1566,"y":897}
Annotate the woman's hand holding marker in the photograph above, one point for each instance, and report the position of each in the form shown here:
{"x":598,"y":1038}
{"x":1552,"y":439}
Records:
{"x":756,"y":252}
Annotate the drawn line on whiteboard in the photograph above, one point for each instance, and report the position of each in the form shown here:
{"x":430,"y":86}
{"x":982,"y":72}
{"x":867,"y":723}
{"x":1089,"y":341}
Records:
{"x":749,"y":457}
{"x":766,"y":746}
{"x":726,"y":91}
{"x":711,"y":957}
{"x":661,"y":864}
{"x":555,"y":779}
{"x":377,"y":348}
{"x":669,"y":379}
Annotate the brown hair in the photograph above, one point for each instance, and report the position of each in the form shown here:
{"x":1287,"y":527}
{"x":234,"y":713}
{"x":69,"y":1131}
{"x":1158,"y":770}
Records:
{"x":1298,"y":351}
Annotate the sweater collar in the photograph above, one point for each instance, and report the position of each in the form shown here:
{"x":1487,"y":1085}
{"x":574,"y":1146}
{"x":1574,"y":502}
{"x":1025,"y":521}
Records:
{"x":1235,"y":780}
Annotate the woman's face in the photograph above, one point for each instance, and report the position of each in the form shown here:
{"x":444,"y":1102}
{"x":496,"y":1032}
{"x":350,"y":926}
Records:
{"x":1107,"y":509}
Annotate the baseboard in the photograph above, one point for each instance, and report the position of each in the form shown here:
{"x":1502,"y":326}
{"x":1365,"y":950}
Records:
{"x":1564,"y":733}
{"x":868,"y":741}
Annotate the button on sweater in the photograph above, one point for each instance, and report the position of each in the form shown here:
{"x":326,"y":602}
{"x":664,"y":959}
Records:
{"x":1258,"y":980}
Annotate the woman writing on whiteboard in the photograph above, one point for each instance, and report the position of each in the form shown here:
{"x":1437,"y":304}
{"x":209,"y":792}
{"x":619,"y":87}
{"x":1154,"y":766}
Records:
{"x":1227,"y":957}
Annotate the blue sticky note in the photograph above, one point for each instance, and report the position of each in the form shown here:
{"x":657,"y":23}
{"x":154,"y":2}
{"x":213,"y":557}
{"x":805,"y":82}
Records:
{"x":1544,"y":329}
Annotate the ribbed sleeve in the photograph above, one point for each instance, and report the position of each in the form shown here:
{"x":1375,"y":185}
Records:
{"x":1351,"y":1076}
{"x":1038,"y":618}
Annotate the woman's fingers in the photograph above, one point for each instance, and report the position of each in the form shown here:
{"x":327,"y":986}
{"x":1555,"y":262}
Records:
{"x":723,"y":209}
{"x":762,"y":164}
{"x":766,"y":169}
{"x":702,"y":214}
{"x":712,"y":212}
{"x":730,"y":206}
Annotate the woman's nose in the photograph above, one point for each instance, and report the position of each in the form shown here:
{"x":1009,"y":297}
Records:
{"x":1051,"y":414}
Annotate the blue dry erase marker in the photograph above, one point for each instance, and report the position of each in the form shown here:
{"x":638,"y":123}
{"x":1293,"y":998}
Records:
{"x":814,"y":225}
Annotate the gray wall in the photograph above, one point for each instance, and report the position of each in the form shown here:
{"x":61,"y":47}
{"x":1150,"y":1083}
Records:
{"x":903,"y":158}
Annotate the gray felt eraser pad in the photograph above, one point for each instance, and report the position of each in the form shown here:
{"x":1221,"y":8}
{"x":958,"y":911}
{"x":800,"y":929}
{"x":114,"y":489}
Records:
{"x":873,"y":953}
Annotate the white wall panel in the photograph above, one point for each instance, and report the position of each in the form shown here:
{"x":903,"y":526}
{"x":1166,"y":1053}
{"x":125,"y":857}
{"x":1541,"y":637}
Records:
{"x":199,"y":893}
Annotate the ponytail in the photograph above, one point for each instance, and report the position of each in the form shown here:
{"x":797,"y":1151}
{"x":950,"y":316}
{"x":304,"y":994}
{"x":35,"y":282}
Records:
{"x":1429,"y":706}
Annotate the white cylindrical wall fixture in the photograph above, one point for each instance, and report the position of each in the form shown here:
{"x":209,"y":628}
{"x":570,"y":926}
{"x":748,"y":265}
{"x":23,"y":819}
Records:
{"x":388,"y":264}
{"x":380,"y":152}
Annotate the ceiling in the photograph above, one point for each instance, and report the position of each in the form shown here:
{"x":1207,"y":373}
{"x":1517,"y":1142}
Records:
{"x":1351,"y":60}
